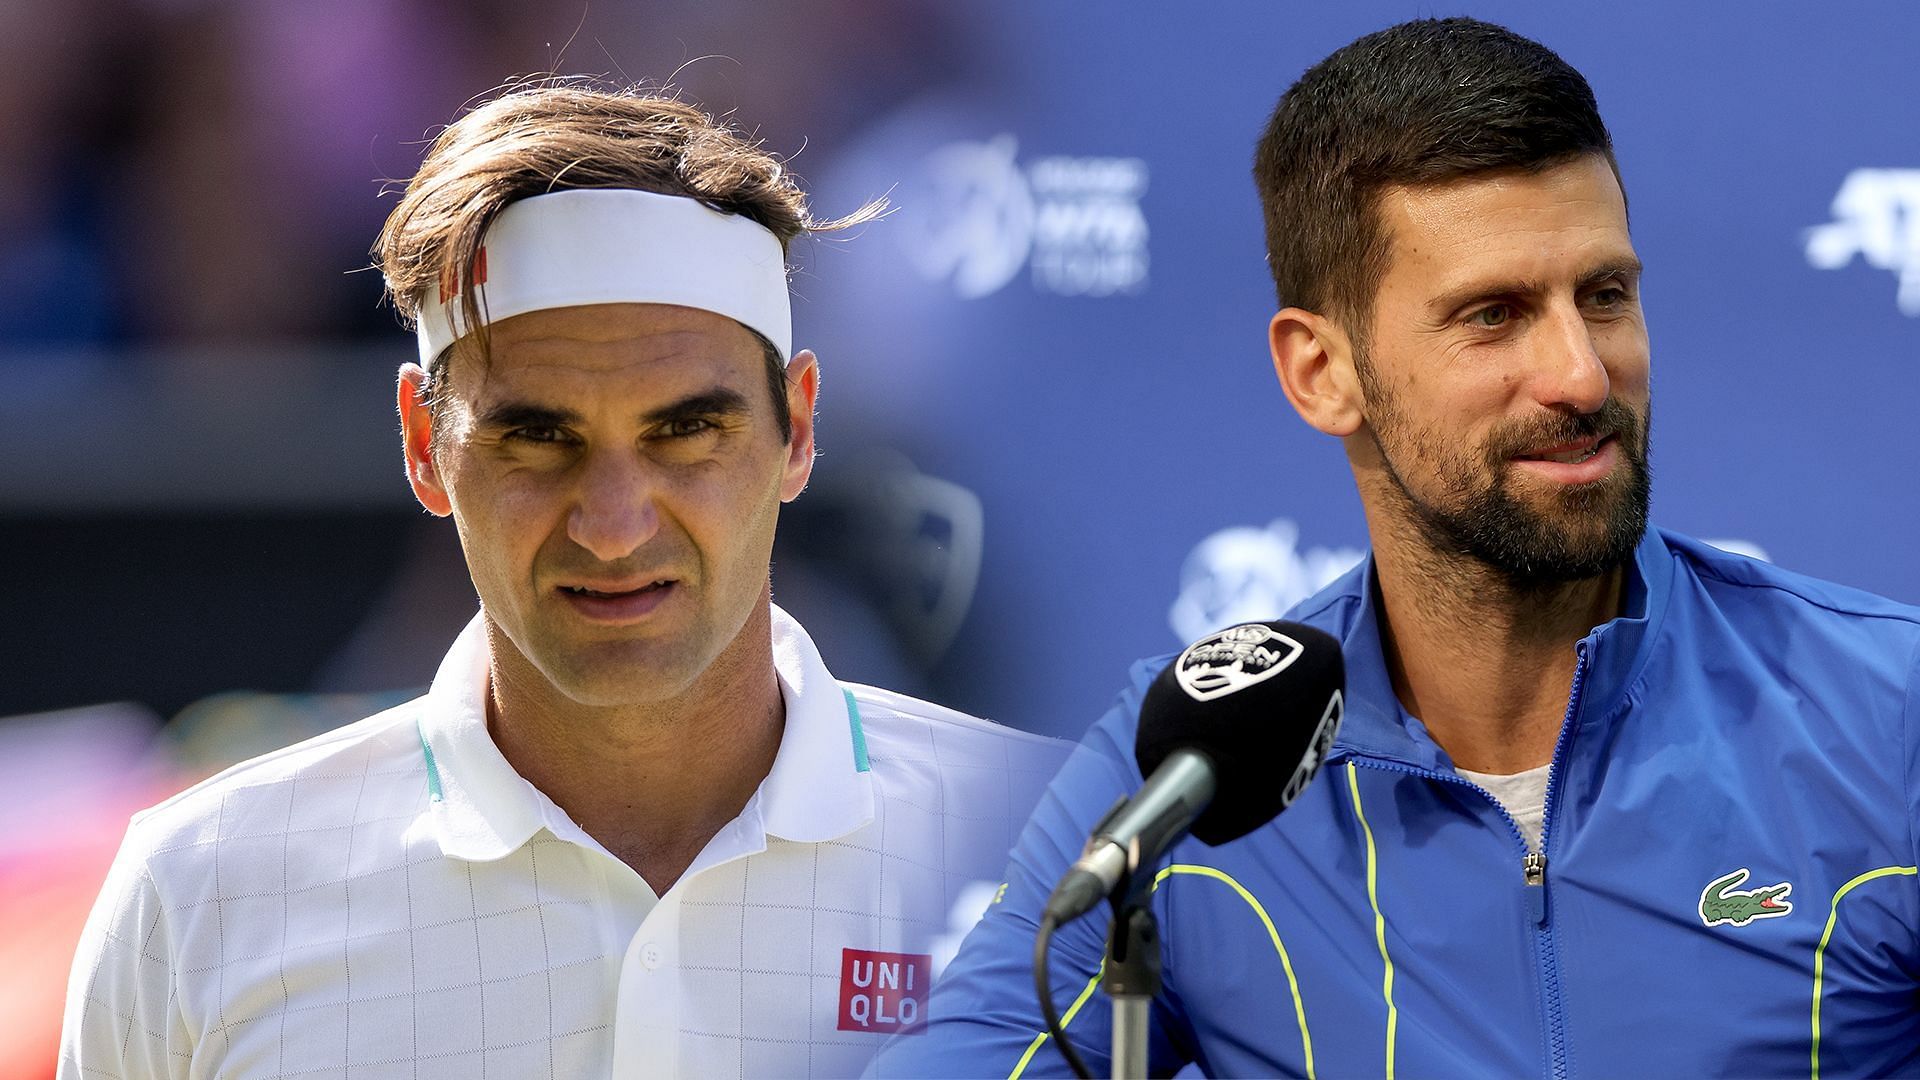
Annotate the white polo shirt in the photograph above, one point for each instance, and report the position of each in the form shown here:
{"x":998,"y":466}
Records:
{"x":392,"y":899}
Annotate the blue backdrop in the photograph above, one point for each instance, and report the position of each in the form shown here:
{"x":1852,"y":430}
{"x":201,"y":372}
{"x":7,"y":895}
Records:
{"x":1052,"y":438}
{"x":1066,"y":314}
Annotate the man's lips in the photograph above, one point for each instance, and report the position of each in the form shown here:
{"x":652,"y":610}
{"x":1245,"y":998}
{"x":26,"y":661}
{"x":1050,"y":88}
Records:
{"x":616,"y":601}
{"x":612,"y":587}
{"x":1581,"y":461}
{"x":1567,"y":452}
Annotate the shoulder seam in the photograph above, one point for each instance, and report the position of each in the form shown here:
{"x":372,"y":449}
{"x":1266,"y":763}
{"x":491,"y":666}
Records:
{"x":902,"y":705}
{"x":1709,"y":571}
{"x":1303,"y":614}
{"x":344,"y":733}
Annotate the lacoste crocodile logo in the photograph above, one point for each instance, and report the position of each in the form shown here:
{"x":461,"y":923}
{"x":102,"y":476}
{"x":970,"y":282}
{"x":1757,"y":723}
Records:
{"x":1722,"y":901}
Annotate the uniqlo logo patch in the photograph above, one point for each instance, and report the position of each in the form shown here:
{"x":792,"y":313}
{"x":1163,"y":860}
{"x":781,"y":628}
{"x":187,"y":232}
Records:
{"x":884,"y":992}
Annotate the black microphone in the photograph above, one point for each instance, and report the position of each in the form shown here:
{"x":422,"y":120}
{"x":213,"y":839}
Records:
{"x":1230,"y":733}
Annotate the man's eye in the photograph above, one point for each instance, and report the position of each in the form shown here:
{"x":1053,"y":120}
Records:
{"x":1608,"y":298}
{"x":1495,"y":315}
{"x":688,"y":426}
{"x":535,"y":434}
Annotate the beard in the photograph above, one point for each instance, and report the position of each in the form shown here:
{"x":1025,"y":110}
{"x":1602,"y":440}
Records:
{"x":1579,"y":533}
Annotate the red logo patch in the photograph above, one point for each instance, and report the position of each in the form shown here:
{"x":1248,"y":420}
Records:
{"x":884,"y":992}
{"x":450,"y":282}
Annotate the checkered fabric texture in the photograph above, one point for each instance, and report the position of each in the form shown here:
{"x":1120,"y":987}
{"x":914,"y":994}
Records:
{"x":297,"y":917}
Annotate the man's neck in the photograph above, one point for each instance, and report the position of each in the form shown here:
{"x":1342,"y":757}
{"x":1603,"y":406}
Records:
{"x":1486,"y":665}
{"x":654,"y":782}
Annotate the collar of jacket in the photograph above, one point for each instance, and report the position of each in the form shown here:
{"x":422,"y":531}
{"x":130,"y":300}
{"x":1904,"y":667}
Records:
{"x":1375,"y":725}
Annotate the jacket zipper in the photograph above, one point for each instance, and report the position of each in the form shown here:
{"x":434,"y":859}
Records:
{"x":1535,"y":870}
{"x":1533,"y":867}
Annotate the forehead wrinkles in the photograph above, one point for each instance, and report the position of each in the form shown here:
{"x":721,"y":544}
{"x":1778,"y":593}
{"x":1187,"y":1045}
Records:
{"x":613,"y":353}
{"x":657,"y":365}
{"x":607,"y":336}
{"x":1515,"y":223}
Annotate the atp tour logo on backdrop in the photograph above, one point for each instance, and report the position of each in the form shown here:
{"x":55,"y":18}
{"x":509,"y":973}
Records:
{"x":1074,"y":223}
{"x":1876,"y":216}
{"x":884,"y":992}
{"x":1242,"y":574}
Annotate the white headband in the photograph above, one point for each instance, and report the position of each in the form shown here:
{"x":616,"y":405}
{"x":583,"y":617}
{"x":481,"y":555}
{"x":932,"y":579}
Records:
{"x":618,"y":246}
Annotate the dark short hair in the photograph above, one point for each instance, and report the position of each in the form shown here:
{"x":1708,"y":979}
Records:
{"x":1423,"y":102}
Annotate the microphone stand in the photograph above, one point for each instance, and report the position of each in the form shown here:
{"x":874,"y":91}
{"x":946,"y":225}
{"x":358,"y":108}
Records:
{"x":1131,"y":977}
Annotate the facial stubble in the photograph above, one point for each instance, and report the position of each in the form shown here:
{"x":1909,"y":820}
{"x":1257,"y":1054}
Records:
{"x":1477,"y":513}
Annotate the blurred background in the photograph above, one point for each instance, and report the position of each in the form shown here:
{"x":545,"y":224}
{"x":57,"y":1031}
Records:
{"x":1052,"y":442}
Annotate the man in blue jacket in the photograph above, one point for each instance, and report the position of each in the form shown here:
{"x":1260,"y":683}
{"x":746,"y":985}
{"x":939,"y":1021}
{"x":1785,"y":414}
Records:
{"x":1606,"y":800}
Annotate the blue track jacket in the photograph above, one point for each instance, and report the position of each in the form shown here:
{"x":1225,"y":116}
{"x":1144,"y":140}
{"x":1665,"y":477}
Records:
{"x":1729,"y":884}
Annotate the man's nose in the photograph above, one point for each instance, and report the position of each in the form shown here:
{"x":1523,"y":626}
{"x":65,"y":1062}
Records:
{"x":1569,"y":375}
{"x":614,"y":510}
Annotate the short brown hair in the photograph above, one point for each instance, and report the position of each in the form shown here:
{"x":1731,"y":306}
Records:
{"x":1423,"y":102}
{"x":545,"y":137}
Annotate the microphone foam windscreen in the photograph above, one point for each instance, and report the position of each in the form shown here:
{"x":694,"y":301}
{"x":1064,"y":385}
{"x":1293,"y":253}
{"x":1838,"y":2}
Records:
{"x":1263,"y":702}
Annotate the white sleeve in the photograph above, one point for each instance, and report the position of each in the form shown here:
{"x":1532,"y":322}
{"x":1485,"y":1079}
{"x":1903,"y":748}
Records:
{"x":122,"y":1017}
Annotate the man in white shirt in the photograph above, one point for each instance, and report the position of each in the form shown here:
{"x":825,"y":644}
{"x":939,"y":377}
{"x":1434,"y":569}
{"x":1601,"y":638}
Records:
{"x":635,"y":827}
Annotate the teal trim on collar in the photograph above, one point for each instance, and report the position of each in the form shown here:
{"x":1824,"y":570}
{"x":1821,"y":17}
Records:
{"x":860,"y":763}
{"x":433,"y":770}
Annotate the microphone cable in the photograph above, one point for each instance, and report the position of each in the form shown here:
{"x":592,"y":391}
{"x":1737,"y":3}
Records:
{"x":1043,"y":984}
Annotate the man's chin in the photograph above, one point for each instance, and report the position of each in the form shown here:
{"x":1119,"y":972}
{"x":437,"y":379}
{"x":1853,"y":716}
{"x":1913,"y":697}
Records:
{"x":616,"y":674}
{"x":1538,"y":546}
{"x":1549,"y":558}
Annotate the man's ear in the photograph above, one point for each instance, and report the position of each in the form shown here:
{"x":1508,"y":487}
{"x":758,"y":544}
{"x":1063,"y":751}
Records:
{"x":416,"y":441}
{"x":803,"y":392}
{"x":1314,"y":359}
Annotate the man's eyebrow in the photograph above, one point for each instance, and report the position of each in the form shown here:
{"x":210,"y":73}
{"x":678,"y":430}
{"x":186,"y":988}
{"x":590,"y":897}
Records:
{"x":517,"y":414}
{"x":1455,"y":299}
{"x":1628,"y":268}
{"x":717,"y":401}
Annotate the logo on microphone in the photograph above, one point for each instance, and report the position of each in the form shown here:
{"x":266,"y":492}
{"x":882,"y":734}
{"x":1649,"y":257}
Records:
{"x":1316,"y":750}
{"x":1234,"y":659}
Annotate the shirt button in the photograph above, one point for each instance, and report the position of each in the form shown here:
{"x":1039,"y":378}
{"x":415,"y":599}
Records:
{"x":650,"y":956}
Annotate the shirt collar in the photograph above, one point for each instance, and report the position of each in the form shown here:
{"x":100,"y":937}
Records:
{"x":818,"y":788}
{"x":481,"y":809}
{"x":1375,"y":725}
